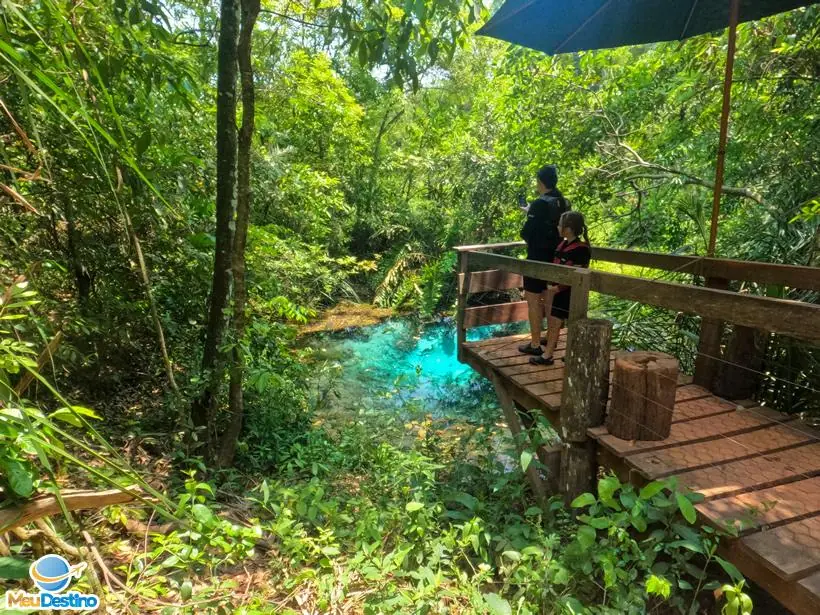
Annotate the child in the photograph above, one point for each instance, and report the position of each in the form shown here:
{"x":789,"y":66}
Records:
{"x":572,"y":251}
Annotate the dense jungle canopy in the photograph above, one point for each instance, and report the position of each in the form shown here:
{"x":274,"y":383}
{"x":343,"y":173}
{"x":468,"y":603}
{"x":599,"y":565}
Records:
{"x":354,"y":144}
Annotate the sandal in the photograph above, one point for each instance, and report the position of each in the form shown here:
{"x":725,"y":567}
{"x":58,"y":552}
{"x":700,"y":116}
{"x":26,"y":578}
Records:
{"x":528,"y":348}
{"x":542,"y":360}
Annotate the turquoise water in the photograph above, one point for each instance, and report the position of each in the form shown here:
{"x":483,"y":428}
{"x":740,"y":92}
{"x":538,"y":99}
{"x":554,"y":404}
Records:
{"x":404,"y":365}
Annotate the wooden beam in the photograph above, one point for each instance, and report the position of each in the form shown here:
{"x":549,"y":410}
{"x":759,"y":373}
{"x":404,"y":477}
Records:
{"x":494,"y":314}
{"x":77,"y":499}
{"x":520,"y":437}
{"x":490,"y":246}
{"x":793,"y":276}
{"x":488,"y":281}
{"x":707,"y":362}
{"x":560,"y":274}
{"x":793,"y":318}
{"x":461,"y":303}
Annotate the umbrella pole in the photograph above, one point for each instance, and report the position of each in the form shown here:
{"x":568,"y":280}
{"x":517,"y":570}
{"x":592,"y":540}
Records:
{"x":734,"y":10}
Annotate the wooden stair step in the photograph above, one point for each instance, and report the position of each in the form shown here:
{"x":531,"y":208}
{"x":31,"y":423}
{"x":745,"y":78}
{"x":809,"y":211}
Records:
{"x":767,"y":507}
{"x":755,"y":473}
{"x":698,"y":430}
{"x":658,"y":464}
{"x":792,"y":551}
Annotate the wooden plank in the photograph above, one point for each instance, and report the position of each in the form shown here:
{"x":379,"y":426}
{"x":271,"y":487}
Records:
{"x":690,"y":432}
{"x":553,"y":373}
{"x":792,"y":318}
{"x":495,"y":342}
{"x":560,"y":274}
{"x":756,"y":473}
{"x":519,"y":393}
{"x":800,"y":597}
{"x":690,"y":391}
{"x":658,"y":464}
{"x":509,"y":350}
{"x":579,"y":299}
{"x":810,"y":587}
{"x":493,"y":279}
{"x":792,"y":551}
{"x":768,"y":507}
{"x":794,"y":276}
{"x":490,"y":246}
{"x":495,"y":314}
{"x":694,"y":409}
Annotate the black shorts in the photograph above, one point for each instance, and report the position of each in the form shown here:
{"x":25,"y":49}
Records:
{"x":534,"y":285}
{"x":560,"y":304}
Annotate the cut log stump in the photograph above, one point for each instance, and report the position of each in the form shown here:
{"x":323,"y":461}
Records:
{"x":643,"y":395}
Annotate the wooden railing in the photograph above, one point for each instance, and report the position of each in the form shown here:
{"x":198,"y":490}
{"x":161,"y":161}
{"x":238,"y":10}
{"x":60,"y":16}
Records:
{"x":482,"y":271}
{"x":792,"y":276}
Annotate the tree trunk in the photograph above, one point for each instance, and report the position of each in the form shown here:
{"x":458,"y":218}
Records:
{"x":204,"y":408}
{"x":250,"y":11}
{"x":82,"y":278}
{"x":643,"y":395}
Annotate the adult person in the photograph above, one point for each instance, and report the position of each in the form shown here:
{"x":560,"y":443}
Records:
{"x":540,"y":231}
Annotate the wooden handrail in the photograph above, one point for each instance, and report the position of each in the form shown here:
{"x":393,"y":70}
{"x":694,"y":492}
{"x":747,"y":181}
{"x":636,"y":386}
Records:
{"x":793,"y":318}
{"x":490,"y":246}
{"x":560,"y":274}
{"x":793,"y":276}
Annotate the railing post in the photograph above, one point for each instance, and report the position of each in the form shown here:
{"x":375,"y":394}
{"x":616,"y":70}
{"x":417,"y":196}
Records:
{"x":579,"y":300}
{"x":740,"y":374}
{"x":583,"y":402}
{"x":461,"y":302}
{"x":707,"y":363}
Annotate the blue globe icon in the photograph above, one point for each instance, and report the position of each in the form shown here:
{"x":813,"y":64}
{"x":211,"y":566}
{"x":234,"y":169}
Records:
{"x":51,"y":573}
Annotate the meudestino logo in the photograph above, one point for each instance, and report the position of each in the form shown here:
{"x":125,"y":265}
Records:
{"x":52,"y":575}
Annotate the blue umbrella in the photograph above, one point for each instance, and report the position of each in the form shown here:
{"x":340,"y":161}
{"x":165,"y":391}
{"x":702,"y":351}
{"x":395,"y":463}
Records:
{"x":562,"y":26}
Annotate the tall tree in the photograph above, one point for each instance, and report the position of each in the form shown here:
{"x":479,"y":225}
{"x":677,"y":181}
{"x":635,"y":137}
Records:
{"x":250,"y":11}
{"x":204,"y":408}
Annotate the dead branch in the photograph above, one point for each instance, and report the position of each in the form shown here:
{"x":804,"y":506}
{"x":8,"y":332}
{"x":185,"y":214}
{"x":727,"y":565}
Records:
{"x":75,"y":499}
{"x":665,"y":173}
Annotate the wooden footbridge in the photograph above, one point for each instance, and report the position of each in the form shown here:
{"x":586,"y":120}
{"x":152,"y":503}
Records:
{"x":749,"y":462}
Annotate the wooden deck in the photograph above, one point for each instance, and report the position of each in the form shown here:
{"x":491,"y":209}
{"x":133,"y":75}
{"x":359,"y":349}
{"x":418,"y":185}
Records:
{"x":757,"y":469}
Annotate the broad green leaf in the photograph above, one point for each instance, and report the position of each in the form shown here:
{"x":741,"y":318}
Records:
{"x":18,"y":476}
{"x":607,"y":488}
{"x":470,"y":502}
{"x":526,"y":459}
{"x":652,"y":489}
{"x":413,"y":506}
{"x":497,"y":604}
{"x":730,"y":569}
{"x":202,"y":513}
{"x":585,"y":499}
{"x":686,"y":508}
{"x":186,"y":590}
{"x":586,"y":536}
{"x":14,"y":568}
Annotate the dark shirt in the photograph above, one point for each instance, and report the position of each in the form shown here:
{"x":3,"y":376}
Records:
{"x":541,"y":228}
{"x":573,"y":253}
